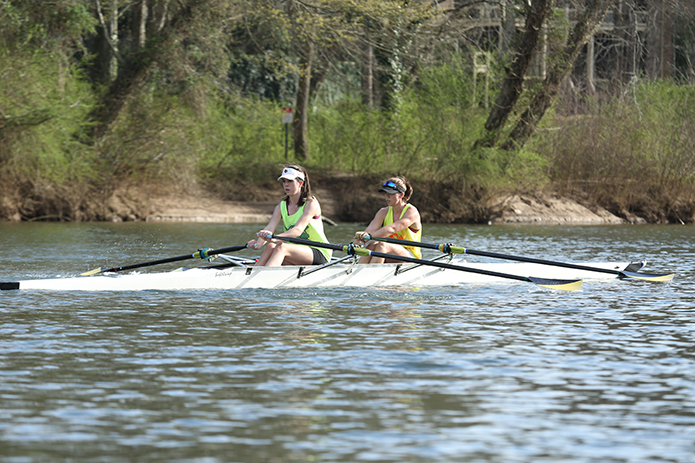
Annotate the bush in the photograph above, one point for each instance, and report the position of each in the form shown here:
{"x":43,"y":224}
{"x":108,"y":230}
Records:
{"x":632,"y":154}
{"x":45,"y":103}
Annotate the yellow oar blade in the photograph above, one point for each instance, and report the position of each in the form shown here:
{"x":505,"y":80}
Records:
{"x":648,"y":276}
{"x":563,"y":285}
{"x":93,"y":272}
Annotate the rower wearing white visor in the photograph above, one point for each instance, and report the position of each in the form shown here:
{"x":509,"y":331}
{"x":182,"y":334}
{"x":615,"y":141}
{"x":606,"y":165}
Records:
{"x":300,"y":215}
{"x":399,"y":219}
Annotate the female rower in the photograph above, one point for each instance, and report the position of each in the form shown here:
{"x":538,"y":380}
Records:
{"x":300,"y":214}
{"x":399,"y":220}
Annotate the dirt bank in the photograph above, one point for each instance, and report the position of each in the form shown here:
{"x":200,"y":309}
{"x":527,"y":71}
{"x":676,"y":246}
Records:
{"x":508,"y":209}
{"x":343,"y":198}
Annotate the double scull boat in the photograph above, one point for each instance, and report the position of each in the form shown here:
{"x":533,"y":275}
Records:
{"x":341,"y":273}
{"x":445,"y":270}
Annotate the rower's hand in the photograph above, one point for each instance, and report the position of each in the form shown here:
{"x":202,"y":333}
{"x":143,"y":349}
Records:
{"x":361,"y":237}
{"x":262,"y":238}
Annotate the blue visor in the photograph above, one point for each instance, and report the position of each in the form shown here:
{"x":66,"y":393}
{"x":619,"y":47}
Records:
{"x":391,"y":188}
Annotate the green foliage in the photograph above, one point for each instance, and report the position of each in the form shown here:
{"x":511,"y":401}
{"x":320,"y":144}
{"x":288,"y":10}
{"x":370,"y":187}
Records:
{"x":206,"y":107}
{"x":430,"y":136}
{"x":44,"y":106}
{"x":39,"y":23}
{"x":266,"y":76}
{"x":239,"y":136}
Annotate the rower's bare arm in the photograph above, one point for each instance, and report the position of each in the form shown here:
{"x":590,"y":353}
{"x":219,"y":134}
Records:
{"x":311,"y":209}
{"x":374,"y":225}
{"x":411,"y":216}
{"x":269,"y":229}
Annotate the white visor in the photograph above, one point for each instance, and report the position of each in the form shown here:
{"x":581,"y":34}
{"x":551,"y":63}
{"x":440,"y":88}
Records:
{"x":291,"y":174}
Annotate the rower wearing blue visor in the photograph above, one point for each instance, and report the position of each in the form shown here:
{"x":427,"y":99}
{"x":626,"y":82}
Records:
{"x":399,"y":219}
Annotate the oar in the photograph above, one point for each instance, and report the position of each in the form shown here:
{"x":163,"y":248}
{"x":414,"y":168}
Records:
{"x":449,"y":249}
{"x":566,"y":285}
{"x":201,"y":253}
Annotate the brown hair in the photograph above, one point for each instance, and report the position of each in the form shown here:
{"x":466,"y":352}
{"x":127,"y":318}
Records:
{"x":403,"y":182}
{"x":305,"y":192}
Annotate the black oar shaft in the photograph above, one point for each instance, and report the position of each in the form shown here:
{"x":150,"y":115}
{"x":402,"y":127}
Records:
{"x":367,"y":252}
{"x":462,"y":250}
{"x":201,"y":253}
{"x":449,"y":249}
{"x":147,"y":264}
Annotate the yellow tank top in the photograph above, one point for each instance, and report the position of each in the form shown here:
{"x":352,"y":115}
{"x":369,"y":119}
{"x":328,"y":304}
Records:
{"x":406,"y":234}
{"x":313,"y":231}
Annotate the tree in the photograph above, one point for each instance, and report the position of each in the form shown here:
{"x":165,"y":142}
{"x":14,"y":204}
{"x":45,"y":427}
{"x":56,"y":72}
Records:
{"x":135,"y":67}
{"x":313,"y":33}
{"x":513,"y":83}
{"x":561,"y":65}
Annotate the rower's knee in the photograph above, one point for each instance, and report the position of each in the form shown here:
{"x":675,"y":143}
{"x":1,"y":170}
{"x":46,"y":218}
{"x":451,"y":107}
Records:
{"x":380,"y":246}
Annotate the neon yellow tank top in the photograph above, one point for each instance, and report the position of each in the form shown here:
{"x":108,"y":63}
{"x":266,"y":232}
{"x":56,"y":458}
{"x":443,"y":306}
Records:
{"x":406,"y":234}
{"x":313,"y":231}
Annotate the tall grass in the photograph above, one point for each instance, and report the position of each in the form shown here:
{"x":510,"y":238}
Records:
{"x":635,"y":153}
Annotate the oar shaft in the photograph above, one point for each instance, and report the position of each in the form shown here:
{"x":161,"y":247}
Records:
{"x":147,"y":264}
{"x":201,"y":253}
{"x":367,"y":252}
{"x":451,"y":249}
{"x":462,"y":250}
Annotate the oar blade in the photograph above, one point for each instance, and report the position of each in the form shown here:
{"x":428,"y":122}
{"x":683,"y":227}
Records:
{"x":93,"y":272}
{"x":563,"y":285}
{"x":647,"y":276}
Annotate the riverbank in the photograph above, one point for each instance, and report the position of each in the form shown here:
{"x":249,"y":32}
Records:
{"x":507,"y":209}
{"x":343,"y":199}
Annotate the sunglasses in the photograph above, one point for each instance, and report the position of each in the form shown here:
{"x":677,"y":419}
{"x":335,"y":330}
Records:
{"x":394,"y":186}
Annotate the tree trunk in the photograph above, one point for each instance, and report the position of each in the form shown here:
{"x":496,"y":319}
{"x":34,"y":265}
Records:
{"x":626,"y":30}
{"x":142,"y":24}
{"x":660,"y":55}
{"x":301,"y":114}
{"x":368,"y":78}
{"x":134,"y":72}
{"x":107,"y":55}
{"x":514,"y":81}
{"x":507,"y":31}
{"x":113,"y":30}
{"x":562,"y":65}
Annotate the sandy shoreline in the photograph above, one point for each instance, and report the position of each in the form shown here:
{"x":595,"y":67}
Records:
{"x":512,"y":209}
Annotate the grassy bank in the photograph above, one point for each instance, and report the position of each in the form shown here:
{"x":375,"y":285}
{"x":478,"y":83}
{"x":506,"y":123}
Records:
{"x":632,"y":153}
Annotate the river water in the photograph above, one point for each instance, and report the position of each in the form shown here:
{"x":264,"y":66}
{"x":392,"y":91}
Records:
{"x":499,"y":373}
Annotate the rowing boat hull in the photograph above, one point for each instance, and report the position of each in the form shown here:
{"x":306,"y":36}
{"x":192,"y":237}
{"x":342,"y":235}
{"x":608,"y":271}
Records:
{"x":342,"y":275}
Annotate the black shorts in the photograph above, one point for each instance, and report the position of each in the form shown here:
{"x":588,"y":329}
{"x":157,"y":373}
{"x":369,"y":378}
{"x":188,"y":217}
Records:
{"x":319,"y":258}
